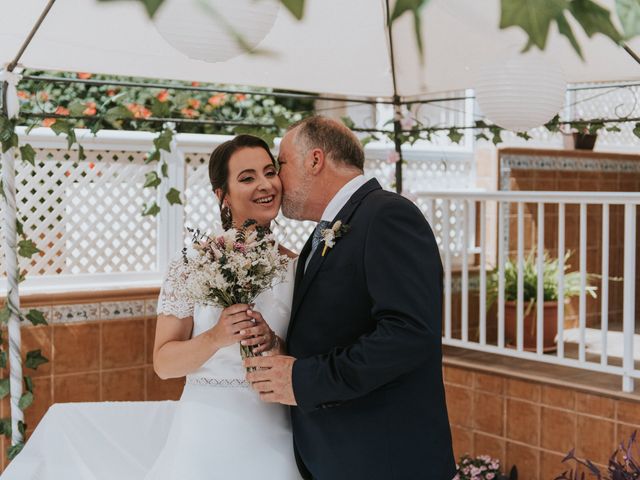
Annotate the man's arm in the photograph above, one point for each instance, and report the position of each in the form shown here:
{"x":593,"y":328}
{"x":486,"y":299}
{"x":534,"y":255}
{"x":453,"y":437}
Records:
{"x":404,"y":278}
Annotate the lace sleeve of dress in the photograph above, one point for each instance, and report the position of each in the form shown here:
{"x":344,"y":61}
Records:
{"x":173,"y":299}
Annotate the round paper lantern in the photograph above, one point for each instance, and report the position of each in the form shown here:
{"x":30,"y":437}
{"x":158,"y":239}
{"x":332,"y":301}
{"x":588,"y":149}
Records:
{"x":520,"y":93}
{"x":204,"y":29}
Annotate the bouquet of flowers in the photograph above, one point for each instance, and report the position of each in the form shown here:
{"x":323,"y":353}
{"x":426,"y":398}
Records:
{"x":234,"y":267}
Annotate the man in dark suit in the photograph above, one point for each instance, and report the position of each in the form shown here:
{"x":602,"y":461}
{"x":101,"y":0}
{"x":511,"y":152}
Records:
{"x":364,"y":375}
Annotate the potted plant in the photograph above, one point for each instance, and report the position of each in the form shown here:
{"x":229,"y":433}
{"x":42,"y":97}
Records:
{"x":583,"y":135}
{"x":550,"y":273}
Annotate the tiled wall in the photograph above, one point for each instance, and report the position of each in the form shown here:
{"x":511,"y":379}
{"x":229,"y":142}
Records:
{"x":533,"y":424}
{"x":548,"y":170}
{"x":97,"y":352}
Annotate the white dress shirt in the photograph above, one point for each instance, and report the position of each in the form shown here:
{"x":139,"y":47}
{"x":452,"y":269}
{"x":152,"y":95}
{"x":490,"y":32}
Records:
{"x":338,"y":201}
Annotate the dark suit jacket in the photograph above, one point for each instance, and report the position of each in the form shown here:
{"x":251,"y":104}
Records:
{"x":366,"y":331}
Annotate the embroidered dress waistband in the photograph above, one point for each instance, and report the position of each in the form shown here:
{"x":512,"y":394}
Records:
{"x":218,"y":382}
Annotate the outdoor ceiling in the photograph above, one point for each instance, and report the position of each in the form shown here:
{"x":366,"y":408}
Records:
{"x":340,"y":47}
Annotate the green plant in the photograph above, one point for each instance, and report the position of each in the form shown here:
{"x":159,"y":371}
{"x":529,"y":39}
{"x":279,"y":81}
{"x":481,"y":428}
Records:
{"x":550,"y":275}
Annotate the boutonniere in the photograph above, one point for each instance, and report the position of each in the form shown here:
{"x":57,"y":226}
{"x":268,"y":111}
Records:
{"x":330,"y":235}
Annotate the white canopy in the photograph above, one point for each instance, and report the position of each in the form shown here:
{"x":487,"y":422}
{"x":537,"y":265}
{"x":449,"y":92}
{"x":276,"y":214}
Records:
{"x":340,"y":47}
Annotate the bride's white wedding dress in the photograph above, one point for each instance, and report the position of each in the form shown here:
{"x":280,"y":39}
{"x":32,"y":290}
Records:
{"x":218,"y":430}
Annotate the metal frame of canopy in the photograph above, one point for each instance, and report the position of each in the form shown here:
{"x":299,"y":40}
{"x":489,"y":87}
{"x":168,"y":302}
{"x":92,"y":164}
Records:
{"x":8,"y":177}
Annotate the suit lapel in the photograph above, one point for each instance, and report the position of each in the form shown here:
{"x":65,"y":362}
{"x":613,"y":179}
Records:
{"x":305,"y":279}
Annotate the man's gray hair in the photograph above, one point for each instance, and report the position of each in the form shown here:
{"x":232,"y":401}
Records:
{"x":335,"y":139}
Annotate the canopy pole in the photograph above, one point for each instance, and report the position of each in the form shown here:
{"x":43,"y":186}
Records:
{"x":633,"y":54}
{"x":397,"y":104}
{"x":397,"y":139}
{"x":11,"y":109}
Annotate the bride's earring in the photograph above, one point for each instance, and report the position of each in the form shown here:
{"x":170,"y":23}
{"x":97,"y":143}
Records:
{"x":225,"y":216}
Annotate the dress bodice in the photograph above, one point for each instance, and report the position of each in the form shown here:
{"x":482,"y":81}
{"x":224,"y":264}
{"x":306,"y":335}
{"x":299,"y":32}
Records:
{"x":225,"y":366}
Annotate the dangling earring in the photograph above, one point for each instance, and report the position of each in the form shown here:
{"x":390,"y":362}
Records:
{"x":225,"y":217}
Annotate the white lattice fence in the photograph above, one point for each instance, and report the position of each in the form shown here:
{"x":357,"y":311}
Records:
{"x":86,"y":218}
{"x":85,"y":215}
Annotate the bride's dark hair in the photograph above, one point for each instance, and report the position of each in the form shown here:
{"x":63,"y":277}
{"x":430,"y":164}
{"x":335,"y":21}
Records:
{"x":219,"y":168}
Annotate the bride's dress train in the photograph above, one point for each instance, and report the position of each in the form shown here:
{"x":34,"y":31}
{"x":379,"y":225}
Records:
{"x":218,"y":430}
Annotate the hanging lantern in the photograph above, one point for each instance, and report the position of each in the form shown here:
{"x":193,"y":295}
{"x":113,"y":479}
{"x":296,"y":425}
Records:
{"x":520,"y":93}
{"x":211,"y":30}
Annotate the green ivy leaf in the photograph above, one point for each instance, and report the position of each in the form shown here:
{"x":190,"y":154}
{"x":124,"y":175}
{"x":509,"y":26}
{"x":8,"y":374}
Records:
{"x":115,"y":115}
{"x":366,"y":140}
{"x":636,"y":130}
{"x":3,"y":359}
{"x":152,"y":180}
{"x":348,"y":122}
{"x":76,"y":108}
{"x":25,"y":400}
{"x":12,"y":142}
{"x":455,"y":135}
{"x":160,"y":109}
{"x":173,"y":197}
{"x":152,"y":210}
{"x":28,"y":383}
{"x":553,"y":125}
{"x":71,"y":138}
{"x":524,"y":135}
{"x":594,"y":19}
{"x":35,"y":359}
{"x":613,"y":128}
{"x":533,"y":16}
{"x":497,"y":135}
{"x":481,"y":136}
{"x":5,"y":314}
{"x":565,"y":29}
{"x":19,"y":228}
{"x":152,"y":157}
{"x":61,"y":126}
{"x":296,"y":7}
{"x":163,"y":141}
{"x":164,"y":170}
{"x":4,"y":387}
{"x":22,"y":427}
{"x":36,"y":317}
{"x":5,"y":427}
{"x":26,"y":248}
{"x":281,"y":121}
{"x":403,"y":6}
{"x":629,"y":15}
{"x":28,"y":154}
{"x":14,"y":450}
{"x":81,"y":155}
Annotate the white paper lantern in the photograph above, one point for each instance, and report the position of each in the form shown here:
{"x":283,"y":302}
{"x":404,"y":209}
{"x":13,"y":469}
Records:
{"x":202,"y":29}
{"x":521,"y":92}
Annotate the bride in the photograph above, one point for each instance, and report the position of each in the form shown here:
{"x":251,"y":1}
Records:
{"x":219,"y":428}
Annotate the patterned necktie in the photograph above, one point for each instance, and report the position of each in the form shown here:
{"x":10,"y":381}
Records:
{"x":317,"y":235}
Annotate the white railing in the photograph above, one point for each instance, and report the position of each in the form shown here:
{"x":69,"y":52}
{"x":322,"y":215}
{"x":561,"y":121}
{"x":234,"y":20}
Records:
{"x":596,"y":224}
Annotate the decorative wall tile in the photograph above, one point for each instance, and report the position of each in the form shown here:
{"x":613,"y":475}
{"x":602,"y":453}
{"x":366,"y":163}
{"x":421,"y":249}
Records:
{"x":116,"y":310}
{"x":75,"y":313}
{"x":151,"y":307}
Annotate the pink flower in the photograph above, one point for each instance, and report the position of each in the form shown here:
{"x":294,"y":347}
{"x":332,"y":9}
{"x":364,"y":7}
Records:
{"x":393,"y":157}
{"x":407,"y":123}
{"x":239,"y":247}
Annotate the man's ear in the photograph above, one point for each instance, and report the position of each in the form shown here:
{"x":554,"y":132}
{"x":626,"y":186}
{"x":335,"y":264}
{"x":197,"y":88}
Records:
{"x":317,"y":161}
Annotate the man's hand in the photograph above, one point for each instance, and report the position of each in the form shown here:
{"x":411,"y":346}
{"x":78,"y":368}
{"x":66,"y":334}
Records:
{"x":272,"y":379}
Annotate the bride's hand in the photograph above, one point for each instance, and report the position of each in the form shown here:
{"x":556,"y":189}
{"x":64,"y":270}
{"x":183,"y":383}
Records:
{"x":232,"y":322}
{"x":261,"y":337}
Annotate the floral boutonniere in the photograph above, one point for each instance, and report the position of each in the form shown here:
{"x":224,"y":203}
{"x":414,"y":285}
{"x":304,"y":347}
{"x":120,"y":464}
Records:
{"x":330,"y":235}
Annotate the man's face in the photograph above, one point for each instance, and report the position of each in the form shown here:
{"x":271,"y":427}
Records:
{"x":296,"y":181}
